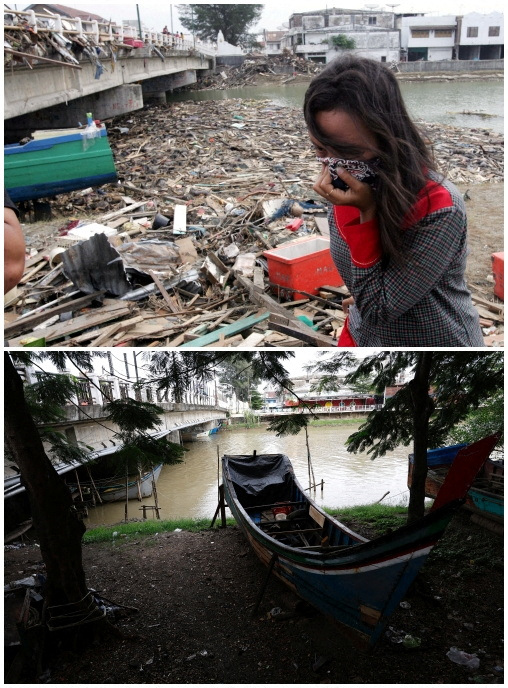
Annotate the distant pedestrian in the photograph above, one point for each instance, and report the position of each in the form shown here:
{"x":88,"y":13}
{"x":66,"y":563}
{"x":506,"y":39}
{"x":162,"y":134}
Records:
{"x":398,"y":229}
{"x":165,"y":30}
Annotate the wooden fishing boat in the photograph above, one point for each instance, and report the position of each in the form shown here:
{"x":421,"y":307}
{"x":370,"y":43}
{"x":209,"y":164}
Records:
{"x":58,"y":161}
{"x":356,"y":582}
{"x":114,"y":490}
{"x":486,"y":495}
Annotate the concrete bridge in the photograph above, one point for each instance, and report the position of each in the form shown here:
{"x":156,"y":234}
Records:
{"x":109,"y":78}
{"x":81,"y":425}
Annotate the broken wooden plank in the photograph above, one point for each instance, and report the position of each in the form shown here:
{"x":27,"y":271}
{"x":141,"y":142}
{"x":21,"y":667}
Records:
{"x":114,"y":329}
{"x":228,"y":330}
{"x":80,"y":323}
{"x":299,"y":331}
{"x":26,"y":323}
{"x":173,"y":307}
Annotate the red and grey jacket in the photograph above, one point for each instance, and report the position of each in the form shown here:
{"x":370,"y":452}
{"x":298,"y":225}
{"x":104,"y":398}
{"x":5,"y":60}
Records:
{"x":423,"y":301}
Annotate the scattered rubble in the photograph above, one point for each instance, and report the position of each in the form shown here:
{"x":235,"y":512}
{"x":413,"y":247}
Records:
{"x":205,"y":189}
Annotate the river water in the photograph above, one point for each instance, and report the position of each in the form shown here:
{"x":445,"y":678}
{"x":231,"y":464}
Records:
{"x":190,"y":489}
{"x":428,"y":101}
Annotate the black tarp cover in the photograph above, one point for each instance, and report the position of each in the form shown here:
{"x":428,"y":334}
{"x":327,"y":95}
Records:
{"x":262,"y":478}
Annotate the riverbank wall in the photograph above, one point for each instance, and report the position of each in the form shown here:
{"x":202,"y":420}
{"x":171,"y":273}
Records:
{"x":452,"y":66}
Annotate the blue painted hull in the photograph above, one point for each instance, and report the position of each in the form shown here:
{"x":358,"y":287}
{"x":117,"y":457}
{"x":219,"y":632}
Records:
{"x":356,"y":582}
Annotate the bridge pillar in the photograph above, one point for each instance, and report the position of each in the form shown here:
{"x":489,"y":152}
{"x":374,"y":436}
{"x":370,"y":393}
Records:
{"x":103,"y":105}
{"x":153,"y":88}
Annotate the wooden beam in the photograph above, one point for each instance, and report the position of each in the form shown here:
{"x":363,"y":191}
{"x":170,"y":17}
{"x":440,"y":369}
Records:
{"x":28,"y":322}
{"x":299,"y":331}
{"x":227,"y":330}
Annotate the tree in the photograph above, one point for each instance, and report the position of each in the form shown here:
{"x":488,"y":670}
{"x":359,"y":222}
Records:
{"x":205,"y":21}
{"x":444,"y":388}
{"x":58,"y":527}
{"x":342,"y":41}
{"x":238,"y":374}
{"x":256,"y":400}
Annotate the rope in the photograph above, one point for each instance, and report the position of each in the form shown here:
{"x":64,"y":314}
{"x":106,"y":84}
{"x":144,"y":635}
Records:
{"x":78,"y":617}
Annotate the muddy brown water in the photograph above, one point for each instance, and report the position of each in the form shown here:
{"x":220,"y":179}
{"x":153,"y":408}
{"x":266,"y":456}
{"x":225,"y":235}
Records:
{"x":189,"y":489}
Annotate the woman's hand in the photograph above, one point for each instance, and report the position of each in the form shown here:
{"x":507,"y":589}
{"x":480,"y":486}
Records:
{"x":359,"y":195}
{"x":346,"y":303}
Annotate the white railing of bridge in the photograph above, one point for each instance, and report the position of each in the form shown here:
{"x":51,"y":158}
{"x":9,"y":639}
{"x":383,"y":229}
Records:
{"x":328,"y":410}
{"x":100,"y":32}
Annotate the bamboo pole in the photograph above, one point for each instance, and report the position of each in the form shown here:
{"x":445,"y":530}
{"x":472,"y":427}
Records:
{"x":93,"y":485}
{"x":79,"y":486}
{"x":126,"y":494}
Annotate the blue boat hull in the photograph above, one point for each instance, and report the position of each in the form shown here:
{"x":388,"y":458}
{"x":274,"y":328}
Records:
{"x":356,"y":582}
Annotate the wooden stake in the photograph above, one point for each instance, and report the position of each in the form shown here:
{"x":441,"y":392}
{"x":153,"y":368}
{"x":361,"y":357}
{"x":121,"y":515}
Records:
{"x":265,"y":583}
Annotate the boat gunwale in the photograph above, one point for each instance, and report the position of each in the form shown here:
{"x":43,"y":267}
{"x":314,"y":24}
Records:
{"x":336,"y":557}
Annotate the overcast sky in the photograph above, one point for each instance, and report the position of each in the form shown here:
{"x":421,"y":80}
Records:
{"x":155,"y":15}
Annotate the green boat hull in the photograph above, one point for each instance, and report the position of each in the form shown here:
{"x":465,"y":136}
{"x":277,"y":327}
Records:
{"x":57,"y":164}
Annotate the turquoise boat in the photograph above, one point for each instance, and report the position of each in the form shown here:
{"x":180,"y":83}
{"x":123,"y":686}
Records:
{"x":57,"y":161}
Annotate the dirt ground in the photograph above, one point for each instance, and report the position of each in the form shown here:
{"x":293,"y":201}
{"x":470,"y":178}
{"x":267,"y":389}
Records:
{"x":485,"y":214}
{"x":195,"y":593}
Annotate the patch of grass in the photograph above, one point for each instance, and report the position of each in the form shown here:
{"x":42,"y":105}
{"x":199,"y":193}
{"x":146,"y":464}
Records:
{"x":377,"y":518}
{"x":147,"y":528}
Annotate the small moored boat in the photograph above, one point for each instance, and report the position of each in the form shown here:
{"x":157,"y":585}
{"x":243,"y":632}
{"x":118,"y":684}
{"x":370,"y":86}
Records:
{"x":486,"y":495}
{"x":58,"y":161}
{"x":115,"y":489}
{"x":356,"y":582}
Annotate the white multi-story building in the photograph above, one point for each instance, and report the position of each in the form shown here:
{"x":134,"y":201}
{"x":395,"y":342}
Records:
{"x":428,"y":38}
{"x":481,"y":36}
{"x":311,"y":34}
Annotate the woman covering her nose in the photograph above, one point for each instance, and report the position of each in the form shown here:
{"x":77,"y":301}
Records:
{"x":398,"y":228}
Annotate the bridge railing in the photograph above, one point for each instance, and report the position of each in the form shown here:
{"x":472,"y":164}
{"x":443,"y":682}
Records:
{"x":99,"y":33}
{"x":320,"y":409}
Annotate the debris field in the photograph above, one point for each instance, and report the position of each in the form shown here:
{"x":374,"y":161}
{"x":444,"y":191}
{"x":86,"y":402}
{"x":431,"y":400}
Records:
{"x":175,"y":253}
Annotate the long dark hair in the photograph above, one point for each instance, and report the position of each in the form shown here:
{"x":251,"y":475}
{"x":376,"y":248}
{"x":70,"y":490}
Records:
{"x":368,"y":92}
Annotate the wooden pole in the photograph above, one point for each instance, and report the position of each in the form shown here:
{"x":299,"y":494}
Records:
{"x":79,"y":486}
{"x":93,"y":484}
{"x":126,"y":493}
{"x":138,"y":484}
{"x":265,"y":583}
{"x":222,"y":504}
{"x":155,"y":495}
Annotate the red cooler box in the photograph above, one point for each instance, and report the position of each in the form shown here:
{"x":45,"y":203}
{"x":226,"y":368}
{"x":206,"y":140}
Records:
{"x":304,"y":264}
{"x":498,"y":272}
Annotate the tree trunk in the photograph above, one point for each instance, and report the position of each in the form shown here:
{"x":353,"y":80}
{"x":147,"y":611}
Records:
{"x":58,"y":528}
{"x":423,"y":407}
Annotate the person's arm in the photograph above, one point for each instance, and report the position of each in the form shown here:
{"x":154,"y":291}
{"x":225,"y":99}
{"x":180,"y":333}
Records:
{"x":430,"y":247}
{"x":14,"y":250}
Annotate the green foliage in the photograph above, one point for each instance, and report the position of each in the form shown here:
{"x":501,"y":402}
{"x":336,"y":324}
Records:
{"x":342,"y":41}
{"x":256,"y":400}
{"x":239,"y":375}
{"x":251,"y":420}
{"x":205,"y":21}
{"x":132,"y":416}
{"x":480,"y":422}
{"x":145,"y":451}
{"x":288,"y":425}
{"x":61,"y":449}
{"x":461,"y":381}
{"x":48,"y":396}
